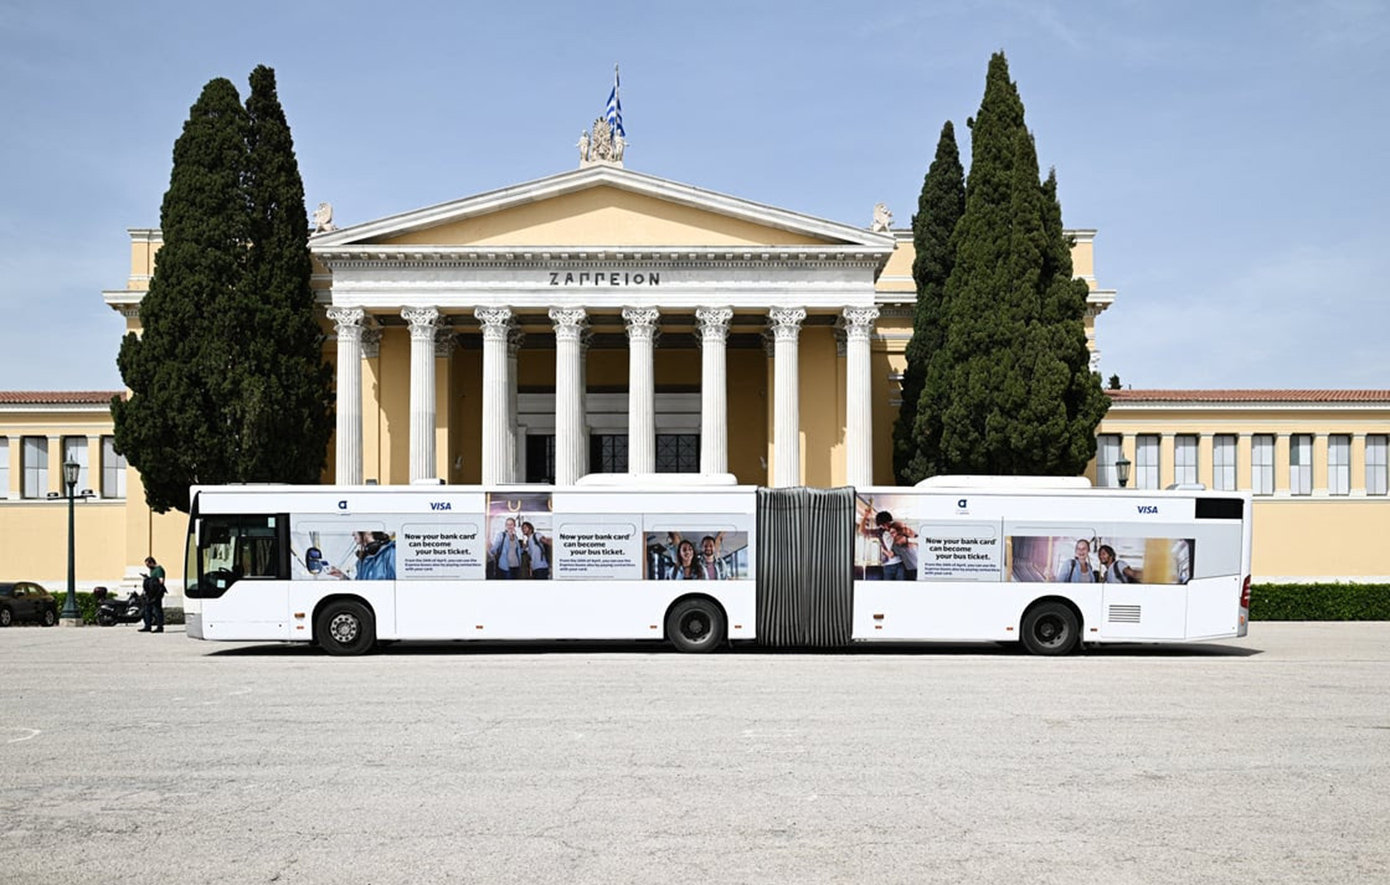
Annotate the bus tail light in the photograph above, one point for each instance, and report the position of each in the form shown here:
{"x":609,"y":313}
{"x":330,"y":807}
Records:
{"x":1245,"y":594}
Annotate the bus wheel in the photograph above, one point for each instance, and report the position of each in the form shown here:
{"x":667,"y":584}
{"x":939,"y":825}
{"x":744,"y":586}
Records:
{"x":1051,"y":628}
{"x":345,"y":627}
{"x":695,"y":625}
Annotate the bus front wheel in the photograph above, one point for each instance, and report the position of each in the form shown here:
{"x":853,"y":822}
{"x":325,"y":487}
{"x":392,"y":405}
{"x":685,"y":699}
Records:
{"x":345,"y":627}
{"x":1051,"y":628}
{"x":695,"y":625}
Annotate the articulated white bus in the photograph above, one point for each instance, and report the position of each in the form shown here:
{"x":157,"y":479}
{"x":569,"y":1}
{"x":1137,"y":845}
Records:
{"x":1051,"y":563}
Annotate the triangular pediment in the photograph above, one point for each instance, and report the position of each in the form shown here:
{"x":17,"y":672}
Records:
{"x":602,"y":206}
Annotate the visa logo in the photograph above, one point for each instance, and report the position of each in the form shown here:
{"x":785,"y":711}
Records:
{"x":440,"y":505}
{"x":1148,"y":508}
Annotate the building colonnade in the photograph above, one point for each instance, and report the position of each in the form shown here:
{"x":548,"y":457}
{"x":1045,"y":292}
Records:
{"x":502,"y":444}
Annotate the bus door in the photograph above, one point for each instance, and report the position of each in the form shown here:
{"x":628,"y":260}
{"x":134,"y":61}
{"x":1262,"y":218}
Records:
{"x":242,"y":573}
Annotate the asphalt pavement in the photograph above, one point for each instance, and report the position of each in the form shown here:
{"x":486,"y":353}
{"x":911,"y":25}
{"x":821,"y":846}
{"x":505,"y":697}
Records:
{"x":137,"y":758}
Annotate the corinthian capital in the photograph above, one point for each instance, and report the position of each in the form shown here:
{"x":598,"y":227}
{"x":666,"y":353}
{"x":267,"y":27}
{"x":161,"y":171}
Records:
{"x":714,"y":322}
{"x":859,"y":322}
{"x":423,"y":321}
{"x":346,"y":318}
{"x":641,"y":322}
{"x":786,"y":322}
{"x":569,"y":322}
{"x":497,"y":321}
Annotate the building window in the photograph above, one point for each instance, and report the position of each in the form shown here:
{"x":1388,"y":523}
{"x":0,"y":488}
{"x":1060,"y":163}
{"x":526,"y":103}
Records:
{"x":4,"y":467}
{"x":1301,"y":464}
{"x":1107,"y":453}
{"x":678,"y":453}
{"x":1262,"y":464}
{"x":1338,"y":464}
{"x":540,"y":458}
{"x":75,"y":449}
{"x":1223,"y":462}
{"x":1146,"y":462}
{"x":1375,"y":464}
{"x":608,"y":453}
{"x":34,"y":456}
{"x":1185,"y":459}
{"x":113,"y":468}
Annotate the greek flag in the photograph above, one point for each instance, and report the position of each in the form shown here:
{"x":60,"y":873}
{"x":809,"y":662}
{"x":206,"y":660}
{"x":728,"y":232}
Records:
{"x":615,"y":108}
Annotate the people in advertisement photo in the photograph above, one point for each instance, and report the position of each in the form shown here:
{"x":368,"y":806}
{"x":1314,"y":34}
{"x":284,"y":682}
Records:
{"x":892,"y":551}
{"x":519,"y":542}
{"x":1097,"y":558}
{"x":374,"y":557}
{"x":718,"y":555}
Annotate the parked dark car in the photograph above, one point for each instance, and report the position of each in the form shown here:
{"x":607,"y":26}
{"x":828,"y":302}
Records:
{"x":27,"y":601}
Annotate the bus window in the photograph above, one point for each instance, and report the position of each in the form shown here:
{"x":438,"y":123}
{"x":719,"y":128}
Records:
{"x":236,"y":548}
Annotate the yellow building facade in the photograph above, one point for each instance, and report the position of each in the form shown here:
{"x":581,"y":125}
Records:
{"x":603,"y":320}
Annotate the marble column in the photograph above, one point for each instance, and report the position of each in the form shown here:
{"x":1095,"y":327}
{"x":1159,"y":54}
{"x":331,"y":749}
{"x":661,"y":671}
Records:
{"x":859,"y":409}
{"x":786,"y":435}
{"x":641,"y":389}
{"x":423,"y":323}
{"x":516,"y":449}
{"x":497,"y":420}
{"x":714,"y":388}
{"x":569,"y":395}
{"x":348,"y":447}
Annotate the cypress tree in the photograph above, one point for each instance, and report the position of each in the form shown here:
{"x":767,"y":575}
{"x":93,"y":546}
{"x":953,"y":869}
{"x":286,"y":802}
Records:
{"x":1016,"y":395}
{"x":172,"y":428}
{"x":284,"y":410}
{"x":917,"y":434}
{"x":228,"y":381}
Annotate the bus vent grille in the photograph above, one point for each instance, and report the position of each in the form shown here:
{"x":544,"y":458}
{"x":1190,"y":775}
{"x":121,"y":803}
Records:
{"x":1124,"y":614}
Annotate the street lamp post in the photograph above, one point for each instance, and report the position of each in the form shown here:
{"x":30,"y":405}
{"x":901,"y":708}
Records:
{"x":71,"y":616}
{"x":1122,"y":471}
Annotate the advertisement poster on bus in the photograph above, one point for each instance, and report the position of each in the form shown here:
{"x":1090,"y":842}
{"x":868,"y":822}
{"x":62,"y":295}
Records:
{"x":448,"y":548}
{"x":519,"y":532}
{"x":338,"y":552}
{"x":886,"y":544}
{"x":1092,"y":557}
{"x":650,"y":547}
{"x":695,"y":552}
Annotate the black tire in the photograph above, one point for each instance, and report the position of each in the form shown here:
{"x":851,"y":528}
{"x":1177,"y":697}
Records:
{"x":695,"y":625}
{"x":106,"y":619}
{"x":49,"y":617}
{"x":345,"y":627}
{"x":1051,"y":629}
{"x":6,"y":617}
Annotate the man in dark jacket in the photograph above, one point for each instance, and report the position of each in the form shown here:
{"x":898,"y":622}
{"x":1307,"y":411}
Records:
{"x":154,"y":597}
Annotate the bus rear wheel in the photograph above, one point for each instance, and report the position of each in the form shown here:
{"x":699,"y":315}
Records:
{"x":1052,"y":629}
{"x":345,"y":627}
{"x":695,"y":625}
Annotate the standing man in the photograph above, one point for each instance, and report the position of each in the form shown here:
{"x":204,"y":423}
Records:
{"x":533,"y":548}
{"x":711,"y":563}
{"x":506,"y":552}
{"x":154,"y":597}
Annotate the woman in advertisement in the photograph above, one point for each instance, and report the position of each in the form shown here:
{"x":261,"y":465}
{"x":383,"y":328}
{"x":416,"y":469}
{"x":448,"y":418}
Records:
{"x":686,"y":568}
{"x":376,"y":557}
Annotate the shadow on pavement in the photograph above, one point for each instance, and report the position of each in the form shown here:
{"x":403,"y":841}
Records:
{"x":650,"y":647}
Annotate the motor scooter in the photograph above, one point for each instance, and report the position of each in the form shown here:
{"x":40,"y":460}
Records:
{"x":112,"y":611}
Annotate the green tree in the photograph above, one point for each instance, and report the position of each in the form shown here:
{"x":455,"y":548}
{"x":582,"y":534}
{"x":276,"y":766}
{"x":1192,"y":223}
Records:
{"x":282,"y":407}
{"x":227,"y":322}
{"x":917,"y":432}
{"x":1012,"y":379}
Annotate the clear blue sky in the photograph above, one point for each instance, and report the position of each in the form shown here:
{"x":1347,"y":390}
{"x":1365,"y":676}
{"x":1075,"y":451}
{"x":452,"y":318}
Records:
{"x":1233,"y":156}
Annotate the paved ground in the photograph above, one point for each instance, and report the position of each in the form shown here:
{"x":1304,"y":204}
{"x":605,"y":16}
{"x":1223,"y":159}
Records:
{"x":133,"y":758}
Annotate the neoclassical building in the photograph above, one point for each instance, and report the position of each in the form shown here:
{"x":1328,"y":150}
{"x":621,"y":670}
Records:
{"x":605,"y":320}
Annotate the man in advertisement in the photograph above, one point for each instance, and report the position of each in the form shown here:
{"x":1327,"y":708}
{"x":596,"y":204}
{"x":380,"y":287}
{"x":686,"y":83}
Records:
{"x":506,"y":552}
